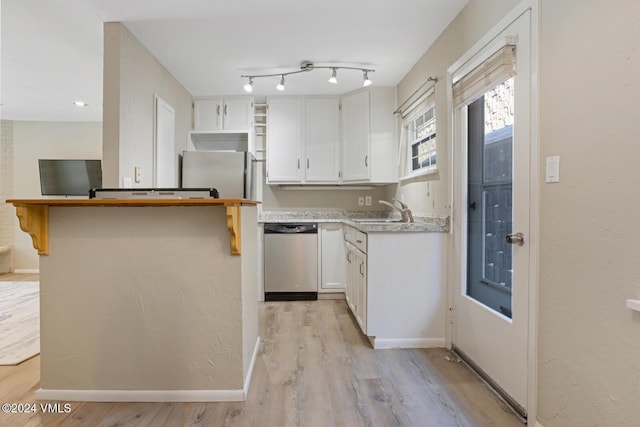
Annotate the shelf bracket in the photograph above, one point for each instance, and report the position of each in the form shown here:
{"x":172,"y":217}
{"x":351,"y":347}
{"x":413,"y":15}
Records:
{"x":35,"y":221}
{"x":233,"y":224}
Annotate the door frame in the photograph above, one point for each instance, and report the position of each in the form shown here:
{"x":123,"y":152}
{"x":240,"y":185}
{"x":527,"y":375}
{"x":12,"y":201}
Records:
{"x":457,"y":234}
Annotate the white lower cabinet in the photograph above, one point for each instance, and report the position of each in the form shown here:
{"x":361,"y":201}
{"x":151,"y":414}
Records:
{"x":356,"y":292}
{"x":396,"y":286}
{"x":332,"y":253}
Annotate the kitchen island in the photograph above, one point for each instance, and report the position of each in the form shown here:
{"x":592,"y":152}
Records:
{"x":145,"y":300}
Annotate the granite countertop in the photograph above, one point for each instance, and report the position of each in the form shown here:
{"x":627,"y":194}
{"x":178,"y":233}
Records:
{"x":423,"y":223}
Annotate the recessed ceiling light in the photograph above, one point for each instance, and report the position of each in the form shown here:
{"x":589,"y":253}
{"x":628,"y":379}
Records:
{"x":80,"y":104}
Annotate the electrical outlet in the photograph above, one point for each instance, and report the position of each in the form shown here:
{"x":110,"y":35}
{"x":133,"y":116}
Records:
{"x":361,"y":201}
{"x":126,"y":182}
{"x":367,"y":200}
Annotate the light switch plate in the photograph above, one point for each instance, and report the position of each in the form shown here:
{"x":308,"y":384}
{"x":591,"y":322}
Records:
{"x":126,"y":182}
{"x":367,"y":200}
{"x":361,"y":201}
{"x":553,"y":169}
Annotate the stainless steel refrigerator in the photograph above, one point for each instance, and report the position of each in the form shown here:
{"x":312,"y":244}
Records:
{"x":229,"y":172}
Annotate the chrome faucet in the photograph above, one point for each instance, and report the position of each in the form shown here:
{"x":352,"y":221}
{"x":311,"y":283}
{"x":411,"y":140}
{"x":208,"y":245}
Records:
{"x":404,"y":210}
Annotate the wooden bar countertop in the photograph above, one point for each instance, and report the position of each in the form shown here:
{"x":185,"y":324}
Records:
{"x":34,"y":214}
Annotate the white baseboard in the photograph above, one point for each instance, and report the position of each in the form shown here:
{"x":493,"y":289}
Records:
{"x":141,"y":395}
{"x":27,"y":271}
{"x":386,"y":343}
{"x":153,"y":395}
{"x":252,"y":365}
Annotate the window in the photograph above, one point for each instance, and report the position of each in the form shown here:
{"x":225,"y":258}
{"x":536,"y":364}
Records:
{"x":418,"y":138}
{"x":421,"y":142}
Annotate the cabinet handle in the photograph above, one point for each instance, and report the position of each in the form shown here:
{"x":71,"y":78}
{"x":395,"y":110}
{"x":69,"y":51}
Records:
{"x":307,"y":163}
{"x":225,"y":109}
{"x":359,"y":241}
{"x":298,"y":164}
{"x":218,"y":109}
{"x":366,"y":161}
{"x":361,"y":272}
{"x":349,"y":257}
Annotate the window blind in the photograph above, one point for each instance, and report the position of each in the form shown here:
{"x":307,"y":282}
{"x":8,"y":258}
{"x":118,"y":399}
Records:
{"x":496,"y":69}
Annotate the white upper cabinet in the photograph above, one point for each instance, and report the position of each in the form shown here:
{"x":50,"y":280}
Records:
{"x":355,"y":136}
{"x":309,"y":141}
{"x":322,"y":140}
{"x":303,"y":140}
{"x":217,"y":114}
{"x":369,"y":136}
{"x":284,"y":138}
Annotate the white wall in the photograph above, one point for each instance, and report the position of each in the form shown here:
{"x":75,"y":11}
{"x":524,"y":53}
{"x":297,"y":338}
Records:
{"x":132,"y":76}
{"x":39,"y":140}
{"x":162,"y":310}
{"x":7,"y":212}
{"x":275,"y":198}
{"x":589,"y":343}
{"x":431,"y":194}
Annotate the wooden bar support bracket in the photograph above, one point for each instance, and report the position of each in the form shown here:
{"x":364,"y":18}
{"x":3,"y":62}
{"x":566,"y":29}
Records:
{"x":233,"y":224}
{"x":34,"y":219}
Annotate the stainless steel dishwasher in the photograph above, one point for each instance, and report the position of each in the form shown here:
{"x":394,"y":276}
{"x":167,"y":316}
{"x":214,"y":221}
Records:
{"x":290,"y":261}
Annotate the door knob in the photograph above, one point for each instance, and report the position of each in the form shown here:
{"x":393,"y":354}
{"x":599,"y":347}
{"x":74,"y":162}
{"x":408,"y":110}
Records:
{"x":515,"y":239}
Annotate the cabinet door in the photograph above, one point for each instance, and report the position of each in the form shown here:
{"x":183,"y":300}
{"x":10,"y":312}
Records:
{"x":284,"y":136}
{"x":332,"y":257}
{"x":237,"y":114}
{"x":355,"y":137}
{"x":207,"y":114}
{"x":361,"y":290}
{"x":322,"y":140}
{"x":351,"y":277}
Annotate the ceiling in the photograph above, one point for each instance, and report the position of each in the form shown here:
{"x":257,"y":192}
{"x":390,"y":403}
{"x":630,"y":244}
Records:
{"x":51,"y":50}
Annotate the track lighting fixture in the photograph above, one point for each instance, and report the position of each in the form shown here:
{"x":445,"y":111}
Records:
{"x":248,"y":87}
{"x":367,"y":82}
{"x":308,"y":66}
{"x":334,"y":78}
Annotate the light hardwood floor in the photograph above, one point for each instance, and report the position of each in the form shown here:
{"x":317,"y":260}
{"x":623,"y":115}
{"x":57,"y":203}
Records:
{"x":314,"y":369}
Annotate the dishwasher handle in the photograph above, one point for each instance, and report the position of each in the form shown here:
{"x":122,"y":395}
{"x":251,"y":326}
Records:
{"x":290,"y":228}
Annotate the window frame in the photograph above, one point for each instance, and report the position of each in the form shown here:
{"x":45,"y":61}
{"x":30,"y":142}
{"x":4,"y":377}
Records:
{"x":408,"y":126}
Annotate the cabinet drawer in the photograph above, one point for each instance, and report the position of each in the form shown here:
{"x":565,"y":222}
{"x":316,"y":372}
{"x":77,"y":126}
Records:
{"x":357,"y":238}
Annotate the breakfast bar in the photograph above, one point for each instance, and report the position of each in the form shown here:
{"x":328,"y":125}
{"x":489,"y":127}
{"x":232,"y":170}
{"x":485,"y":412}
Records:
{"x":145,"y":300}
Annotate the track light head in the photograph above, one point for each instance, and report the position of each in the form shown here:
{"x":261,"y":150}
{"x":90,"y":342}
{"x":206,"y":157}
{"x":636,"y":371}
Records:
{"x":280,"y":86}
{"x":248,"y":87}
{"x":366,"y":82}
{"x":334,"y":77}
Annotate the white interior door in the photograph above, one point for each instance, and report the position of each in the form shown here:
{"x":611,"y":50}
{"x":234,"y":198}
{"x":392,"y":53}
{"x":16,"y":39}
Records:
{"x":492,"y":139}
{"x":165,"y":152}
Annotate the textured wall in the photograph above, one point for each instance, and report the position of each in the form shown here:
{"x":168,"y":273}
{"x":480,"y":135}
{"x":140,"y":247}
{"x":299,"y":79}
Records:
{"x":589,"y":343}
{"x":249,"y":261}
{"x":7,"y":212}
{"x":142,"y":298}
{"x":132,"y":76}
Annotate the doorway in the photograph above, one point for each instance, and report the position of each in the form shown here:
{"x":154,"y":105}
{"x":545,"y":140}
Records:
{"x":492,"y":140}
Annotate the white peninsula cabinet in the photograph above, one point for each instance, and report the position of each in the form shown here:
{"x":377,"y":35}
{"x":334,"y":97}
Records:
{"x":396,"y":286}
{"x":218,"y":113}
{"x":369,"y":136}
{"x":303,"y":140}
